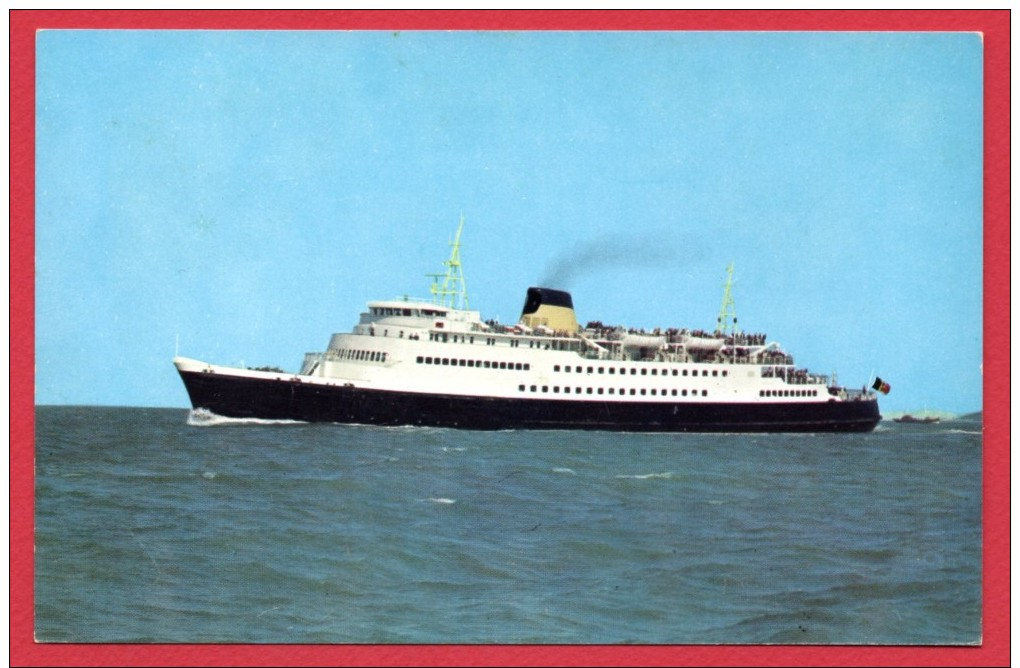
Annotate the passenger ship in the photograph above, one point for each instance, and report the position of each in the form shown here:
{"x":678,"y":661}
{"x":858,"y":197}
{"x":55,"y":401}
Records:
{"x":437,"y":363}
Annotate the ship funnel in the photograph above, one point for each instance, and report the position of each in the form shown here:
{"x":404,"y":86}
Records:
{"x":554,"y":309}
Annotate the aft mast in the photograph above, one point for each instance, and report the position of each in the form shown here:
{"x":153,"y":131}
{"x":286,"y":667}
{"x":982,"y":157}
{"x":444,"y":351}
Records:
{"x":728,"y":311}
{"x":452,"y":289}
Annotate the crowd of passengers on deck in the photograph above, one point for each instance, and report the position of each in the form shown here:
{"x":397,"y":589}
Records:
{"x":599,"y":330}
{"x":792,"y":376}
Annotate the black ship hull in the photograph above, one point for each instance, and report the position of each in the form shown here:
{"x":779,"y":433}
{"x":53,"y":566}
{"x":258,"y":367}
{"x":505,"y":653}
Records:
{"x":291,"y":399}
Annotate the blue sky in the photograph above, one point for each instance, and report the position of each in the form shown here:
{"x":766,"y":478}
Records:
{"x":245,"y":193}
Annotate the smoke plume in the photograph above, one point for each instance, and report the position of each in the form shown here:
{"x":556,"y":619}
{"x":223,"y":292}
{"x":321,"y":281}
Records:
{"x":619,"y":252}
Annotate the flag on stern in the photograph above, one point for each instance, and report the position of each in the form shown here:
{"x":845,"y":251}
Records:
{"x":881,"y":386}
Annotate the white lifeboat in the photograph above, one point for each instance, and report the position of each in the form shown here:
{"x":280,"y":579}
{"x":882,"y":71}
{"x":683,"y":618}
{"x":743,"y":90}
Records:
{"x":643,"y":341}
{"x":703,"y":342}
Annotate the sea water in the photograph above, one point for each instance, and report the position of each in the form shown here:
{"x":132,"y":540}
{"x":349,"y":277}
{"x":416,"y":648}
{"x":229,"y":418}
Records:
{"x":161,"y":525}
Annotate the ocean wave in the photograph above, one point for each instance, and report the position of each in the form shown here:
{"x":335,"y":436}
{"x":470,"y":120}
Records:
{"x":666,"y":476}
{"x":565,"y":470}
{"x":202,"y":417}
{"x":441,"y":499}
{"x":963,"y":431}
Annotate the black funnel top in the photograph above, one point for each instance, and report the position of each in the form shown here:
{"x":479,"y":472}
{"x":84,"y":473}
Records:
{"x":539,"y":296}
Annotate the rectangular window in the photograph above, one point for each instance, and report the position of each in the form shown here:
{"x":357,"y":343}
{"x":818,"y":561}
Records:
{"x":556,"y":367}
{"x":644,"y":372}
{"x":612,"y":370}
{"x":685,"y":393}
{"x":534,"y":388}
{"x":715,"y":373}
{"x":600,"y":390}
{"x":673,"y":392}
{"x":420,"y":359}
{"x":685,"y":372}
{"x":520,"y":387}
{"x":589,"y":390}
{"x":545,"y":388}
{"x":601,"y":369}
{"x":704,"y":393}
{"x":462,"y":362}
{"x":556,"y":389}
{"x":633,"y":372}
{"x":590,"y":369}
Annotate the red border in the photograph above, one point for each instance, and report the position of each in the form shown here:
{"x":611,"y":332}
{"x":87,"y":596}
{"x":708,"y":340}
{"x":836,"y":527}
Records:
{"x":995,"y":648}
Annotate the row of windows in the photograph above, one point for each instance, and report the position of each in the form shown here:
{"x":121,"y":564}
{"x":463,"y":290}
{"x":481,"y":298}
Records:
{"x":477,"y":364}
{"x":644,"y":372}
{"x":788,"y":393}
{"x":445,"y":337}
{"x":556,"y":389}
{"x":361,"y":355}
{"x":385,"y":310}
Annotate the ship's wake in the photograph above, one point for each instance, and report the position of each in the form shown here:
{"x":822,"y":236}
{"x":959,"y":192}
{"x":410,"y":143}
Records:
{"x":668,"y":475}
{"x":203,"y":417}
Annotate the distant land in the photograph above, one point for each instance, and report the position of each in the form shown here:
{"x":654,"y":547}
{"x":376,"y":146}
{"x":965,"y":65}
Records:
{"x":943,"y":415}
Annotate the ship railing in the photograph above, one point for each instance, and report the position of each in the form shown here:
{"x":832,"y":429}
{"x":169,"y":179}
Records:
{"x":852,"y":395}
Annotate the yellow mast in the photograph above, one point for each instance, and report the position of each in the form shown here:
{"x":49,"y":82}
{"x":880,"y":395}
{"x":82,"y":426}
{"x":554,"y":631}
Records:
{"x":453,"y":285}
{"x":728,"y":310}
